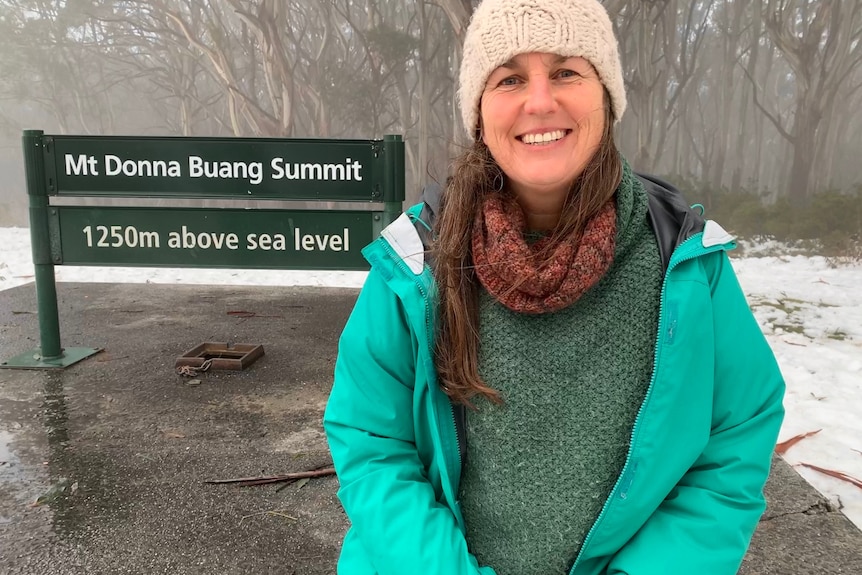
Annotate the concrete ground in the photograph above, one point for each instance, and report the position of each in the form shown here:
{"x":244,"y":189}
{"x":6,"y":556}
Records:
{"x":116,"y":448}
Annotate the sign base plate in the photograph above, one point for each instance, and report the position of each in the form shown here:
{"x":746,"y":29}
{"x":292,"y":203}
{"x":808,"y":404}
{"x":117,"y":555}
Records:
{"x":33,"y":359}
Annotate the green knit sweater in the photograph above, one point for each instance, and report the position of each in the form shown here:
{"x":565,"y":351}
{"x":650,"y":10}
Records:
{"x":540,"y":467}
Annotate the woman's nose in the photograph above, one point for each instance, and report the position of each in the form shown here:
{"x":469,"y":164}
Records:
{"x":540,"y":96}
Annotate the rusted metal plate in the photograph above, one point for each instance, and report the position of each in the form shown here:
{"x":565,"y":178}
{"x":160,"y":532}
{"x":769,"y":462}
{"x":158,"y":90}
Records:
{"x":229,"y":356}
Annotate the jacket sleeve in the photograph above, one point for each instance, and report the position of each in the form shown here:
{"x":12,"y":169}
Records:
{"x":706,"y":523}
{"x":369,"y":425}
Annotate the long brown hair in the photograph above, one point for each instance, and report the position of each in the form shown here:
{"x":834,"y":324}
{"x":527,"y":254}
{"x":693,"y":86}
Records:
{"x":475,"y":176}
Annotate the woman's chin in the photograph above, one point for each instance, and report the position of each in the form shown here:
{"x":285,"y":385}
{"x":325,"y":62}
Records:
{"x":542,"y":186}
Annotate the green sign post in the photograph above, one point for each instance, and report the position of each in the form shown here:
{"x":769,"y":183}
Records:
{"x":232,"y":169}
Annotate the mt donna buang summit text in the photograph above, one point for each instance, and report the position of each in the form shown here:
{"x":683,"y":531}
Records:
{"x":197,"y":167}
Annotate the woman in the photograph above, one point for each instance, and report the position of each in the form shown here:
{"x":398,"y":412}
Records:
{"x":559,"y":373}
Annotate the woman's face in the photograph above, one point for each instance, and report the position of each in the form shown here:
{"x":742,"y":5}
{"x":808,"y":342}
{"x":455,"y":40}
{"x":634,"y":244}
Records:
{"x":542,"y":118}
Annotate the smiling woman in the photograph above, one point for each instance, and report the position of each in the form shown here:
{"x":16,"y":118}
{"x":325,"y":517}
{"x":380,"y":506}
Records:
{"x":573,"y":381}
{"x":543,"y":118}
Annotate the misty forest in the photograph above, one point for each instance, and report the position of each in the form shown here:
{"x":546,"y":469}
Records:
{"x":752,"y":107}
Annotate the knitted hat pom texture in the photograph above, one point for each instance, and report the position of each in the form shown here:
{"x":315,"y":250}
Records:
{"x":502,"y":29}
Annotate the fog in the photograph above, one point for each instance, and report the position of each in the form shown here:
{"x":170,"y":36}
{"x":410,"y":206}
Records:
{"x":752,"y":107}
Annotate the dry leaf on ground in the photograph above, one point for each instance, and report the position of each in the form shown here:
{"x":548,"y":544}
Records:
{"x":782,"y":447}
{"x":837,"y":474}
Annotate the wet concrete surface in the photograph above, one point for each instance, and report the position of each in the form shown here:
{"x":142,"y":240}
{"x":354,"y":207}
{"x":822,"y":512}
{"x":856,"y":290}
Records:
{"x":102,"y":464}
{"x":118,"y":446}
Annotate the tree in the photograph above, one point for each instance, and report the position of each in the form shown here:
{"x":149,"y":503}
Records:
{"x":822,"y":43}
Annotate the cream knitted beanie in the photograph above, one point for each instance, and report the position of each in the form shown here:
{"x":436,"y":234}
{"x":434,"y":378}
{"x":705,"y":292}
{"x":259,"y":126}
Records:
{"x":502,"y":29}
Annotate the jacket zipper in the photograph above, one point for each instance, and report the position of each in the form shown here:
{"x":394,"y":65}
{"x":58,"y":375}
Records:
{"x":636,"y":427}
{"x":429,"y":336}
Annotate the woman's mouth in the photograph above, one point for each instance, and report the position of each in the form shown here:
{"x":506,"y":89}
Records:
{"x":544,"y":138}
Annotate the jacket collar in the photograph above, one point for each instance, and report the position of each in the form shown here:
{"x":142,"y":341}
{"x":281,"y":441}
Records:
{"x":672,"y":220}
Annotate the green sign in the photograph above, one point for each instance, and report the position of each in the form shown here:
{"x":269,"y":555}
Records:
{"x":212,"y":237}
{"x":254,"y":169}
{"x":233,"y":169}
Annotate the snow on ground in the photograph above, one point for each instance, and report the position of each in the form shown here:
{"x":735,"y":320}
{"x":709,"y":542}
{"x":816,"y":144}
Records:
{"x":810,"y":311}
{"x":812,"y":316}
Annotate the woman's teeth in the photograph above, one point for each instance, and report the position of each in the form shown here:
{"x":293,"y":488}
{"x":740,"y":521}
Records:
{"x":545,"y":138}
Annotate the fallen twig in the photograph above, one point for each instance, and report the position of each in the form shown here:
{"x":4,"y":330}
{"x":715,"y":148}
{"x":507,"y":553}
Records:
{"x":836,"y":474}
{"x":782,"y":447}
{"x":267,"y":479}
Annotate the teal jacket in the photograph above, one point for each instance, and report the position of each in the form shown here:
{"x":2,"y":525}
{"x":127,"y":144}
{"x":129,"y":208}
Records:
{"x":690,"y":494}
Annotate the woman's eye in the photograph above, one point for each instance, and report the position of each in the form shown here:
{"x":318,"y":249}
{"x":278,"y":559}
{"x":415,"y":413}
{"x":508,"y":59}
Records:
{"x":510,"y":81}
{"x":566,"y":74}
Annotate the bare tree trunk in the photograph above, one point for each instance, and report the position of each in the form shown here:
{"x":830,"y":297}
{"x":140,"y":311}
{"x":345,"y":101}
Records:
{"x":744,"y":128}
{"x":822,"y":43}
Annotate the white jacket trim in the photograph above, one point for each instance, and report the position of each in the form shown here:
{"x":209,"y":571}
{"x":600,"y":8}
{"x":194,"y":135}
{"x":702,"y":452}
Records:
{"x":402,"y":236}
{"x":715,"y":235}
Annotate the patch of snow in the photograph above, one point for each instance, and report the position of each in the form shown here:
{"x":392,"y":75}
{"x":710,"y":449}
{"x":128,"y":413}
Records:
{"x":811,"y":313}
